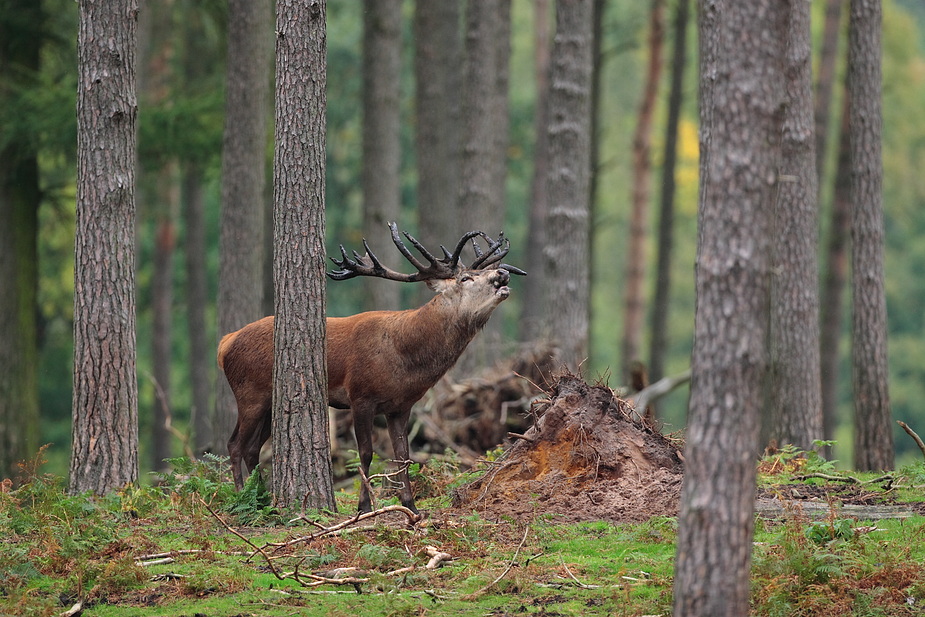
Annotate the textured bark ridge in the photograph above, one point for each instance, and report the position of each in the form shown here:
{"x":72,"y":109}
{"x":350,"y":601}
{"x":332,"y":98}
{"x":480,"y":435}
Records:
{"x":587,"y":457}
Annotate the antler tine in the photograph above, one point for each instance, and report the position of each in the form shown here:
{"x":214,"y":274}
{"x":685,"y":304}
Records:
{"x":494,"y":254}
{"x":454,"y":258}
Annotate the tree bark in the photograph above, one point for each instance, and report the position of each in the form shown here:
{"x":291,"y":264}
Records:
{"x":20,"y":45}
{"x":567,"y":252}
{"x":483,"y":164}
{"x":836,"y":277}
{"x":665,"y":243}
{"x":381,"y":146}
{"x":742,"y":51}
{"x":201,"y":358}
{"x":636,"y":255}
{"x":301,"y":449}
{"x":104,"y":453}
{"x":825,"y":80}
{"x":835,"y":272}
{"x":243,"y":179}
{"x":796,"y":395}
{"x":437,"y":57}
{"x":531,"y":316}
{"x":873,"y":447}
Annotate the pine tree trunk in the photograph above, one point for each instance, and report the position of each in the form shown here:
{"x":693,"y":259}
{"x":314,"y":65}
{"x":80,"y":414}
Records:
{"x":202,"y":357}
{"x":567,"y":251}
{"x":483,"y":164}
{"x":665,"y":243}
{"x":19,"y":203}
{"x":636,"y":255}
{"x":104,"y":454}
{"x":301,"y":449}
{"x":796,"y":405}
{"x":240,"y":290}
{"x":531,"y":316}
{"x":437,"y":57}
{"x":836,"y":276}
{"x":742,"y":49}
{"x":825,"y":80}
{"x":873,"y":446}
{"x":381,"y":146}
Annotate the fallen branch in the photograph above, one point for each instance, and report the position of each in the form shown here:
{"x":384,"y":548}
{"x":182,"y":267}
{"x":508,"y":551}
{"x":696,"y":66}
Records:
{"x":913,"y":434}
{"x":847,"y":479}
{"x":437,"y":558}
{"x":362,"y":516}
{"x":75,"y":610}
{"x":659,"y":389}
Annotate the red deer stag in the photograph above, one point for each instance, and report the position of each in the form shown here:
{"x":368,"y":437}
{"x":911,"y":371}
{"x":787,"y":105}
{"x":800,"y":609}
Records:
{"x":380,"y":362}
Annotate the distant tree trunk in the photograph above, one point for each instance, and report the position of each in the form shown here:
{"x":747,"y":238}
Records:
{"x":104,"y":453}
{"x":635,"y":263}
{"x":381,"y":147}
{"x":531,"y":316}
{"x":825,"y":80}
{"x":566,"y":253}
{"x":157,"y":201}
{"x":665,"y":243}
{"x":196,"y":62}
{"x":437,"y":58}
{"x":243,"y":179}
{"x":165,"y":242}
{"x":20,"y":44}
{"x":201,"y":357}
{"x":873,"y":446}
{"x":835,"y":272}
{"x":796,"y":396}
{"x":836,"y":277}
{"x":483,"y":167}
{"x":742,"y":49}
{"x":301,"y":448}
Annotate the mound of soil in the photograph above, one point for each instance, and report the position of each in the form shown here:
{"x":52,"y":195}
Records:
{"x":586,"y":457}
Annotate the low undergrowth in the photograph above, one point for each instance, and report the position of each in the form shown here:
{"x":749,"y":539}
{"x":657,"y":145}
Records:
{"x":188,"y":545}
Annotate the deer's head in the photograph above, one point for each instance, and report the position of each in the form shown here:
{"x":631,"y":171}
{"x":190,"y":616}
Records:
{"x":474,"y":290}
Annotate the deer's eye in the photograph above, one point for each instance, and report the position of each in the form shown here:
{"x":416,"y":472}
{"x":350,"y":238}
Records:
{"x":465,"y":278}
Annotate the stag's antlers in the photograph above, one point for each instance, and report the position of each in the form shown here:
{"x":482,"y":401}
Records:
{"x":447,"y":267}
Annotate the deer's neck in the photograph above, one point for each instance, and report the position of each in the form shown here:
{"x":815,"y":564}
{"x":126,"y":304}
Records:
{"x":435,"y":335}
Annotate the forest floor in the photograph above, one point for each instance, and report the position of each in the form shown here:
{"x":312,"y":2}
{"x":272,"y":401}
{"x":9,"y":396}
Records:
{"x":576,"y":517}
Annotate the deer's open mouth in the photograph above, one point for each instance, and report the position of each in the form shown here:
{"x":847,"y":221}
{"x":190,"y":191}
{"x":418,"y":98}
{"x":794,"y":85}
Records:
{"x":500,"y":283}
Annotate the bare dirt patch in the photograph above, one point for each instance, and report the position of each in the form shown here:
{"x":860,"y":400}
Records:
{"x":586,"y":457}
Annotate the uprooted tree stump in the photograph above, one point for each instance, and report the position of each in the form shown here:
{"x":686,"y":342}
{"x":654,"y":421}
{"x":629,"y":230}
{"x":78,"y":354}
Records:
{"x":586,"y":457}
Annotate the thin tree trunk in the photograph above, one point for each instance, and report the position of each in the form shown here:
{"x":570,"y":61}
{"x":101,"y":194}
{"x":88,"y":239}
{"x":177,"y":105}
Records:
{"x":796,"y":405}
{"x":162,"y":298}
{"x":873,"y":446}
{"x":243,"y":178}
{"x":201,"y":358}
{"x":635,"y":269}
{"x":836,"y":277}
{"x":104,"y":454}
{"x":438,"y":55}
{"x":301,"y":447}
{"x":567,"y":251}
{"x":531,"y":317}
{"x":665,"y":244}
{"x":742,"y":50}
{"x":483,"y":166}
{"x":19,"y":202}
{"x":381,"y":146}
{"x":831,"y":307}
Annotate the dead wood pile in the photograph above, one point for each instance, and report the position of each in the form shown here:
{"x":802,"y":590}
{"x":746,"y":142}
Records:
{"x":587,"y":457}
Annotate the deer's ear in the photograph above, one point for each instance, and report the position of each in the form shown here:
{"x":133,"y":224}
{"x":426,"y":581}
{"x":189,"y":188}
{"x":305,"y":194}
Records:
{"x":439,"y":285}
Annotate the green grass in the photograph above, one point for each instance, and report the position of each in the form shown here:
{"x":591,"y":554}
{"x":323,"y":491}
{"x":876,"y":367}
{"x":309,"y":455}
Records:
{"x":57,"y":549}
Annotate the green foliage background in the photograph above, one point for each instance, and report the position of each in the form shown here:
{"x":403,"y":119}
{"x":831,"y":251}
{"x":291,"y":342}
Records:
{"x":189,"y":125}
